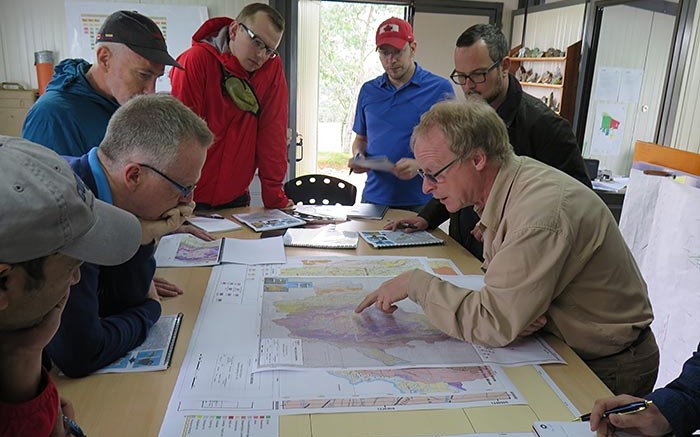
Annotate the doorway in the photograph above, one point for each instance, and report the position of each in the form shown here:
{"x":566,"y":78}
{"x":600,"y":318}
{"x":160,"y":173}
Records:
{"x":336,"y":55}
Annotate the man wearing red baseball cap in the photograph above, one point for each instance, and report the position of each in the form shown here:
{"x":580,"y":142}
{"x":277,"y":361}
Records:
{"x":388,"y":108}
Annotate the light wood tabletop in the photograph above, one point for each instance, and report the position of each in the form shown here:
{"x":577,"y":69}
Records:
{"x":134,"y":404}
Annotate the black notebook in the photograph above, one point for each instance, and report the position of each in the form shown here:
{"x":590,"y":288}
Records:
{"x":367,"y":211}
{"x":382,"y":239}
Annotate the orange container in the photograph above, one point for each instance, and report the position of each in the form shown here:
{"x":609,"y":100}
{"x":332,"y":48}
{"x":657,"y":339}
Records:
{"x":43,"y":61}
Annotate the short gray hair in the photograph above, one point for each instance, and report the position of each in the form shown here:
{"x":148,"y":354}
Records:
{"x":468,"y":126}
{"x":153,"y":126}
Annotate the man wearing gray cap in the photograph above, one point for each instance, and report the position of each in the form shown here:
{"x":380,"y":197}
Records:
{"x":71,"y":117}
{"x":148,"y":164}
{"x":50,"y":222}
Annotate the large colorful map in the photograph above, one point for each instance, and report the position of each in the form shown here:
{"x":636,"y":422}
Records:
{"x":311,"y":323}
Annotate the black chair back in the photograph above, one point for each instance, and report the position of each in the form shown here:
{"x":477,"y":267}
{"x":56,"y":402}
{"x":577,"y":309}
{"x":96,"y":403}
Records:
{"x":318,"y":189}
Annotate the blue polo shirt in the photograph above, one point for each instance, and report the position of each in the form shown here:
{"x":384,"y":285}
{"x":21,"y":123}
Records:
{"x":387,"y":116}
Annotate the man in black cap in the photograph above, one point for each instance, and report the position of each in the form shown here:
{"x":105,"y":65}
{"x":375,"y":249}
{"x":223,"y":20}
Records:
{"x":71,"y":117}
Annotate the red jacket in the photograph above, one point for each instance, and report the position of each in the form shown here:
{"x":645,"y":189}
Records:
{"x":243,"y":141}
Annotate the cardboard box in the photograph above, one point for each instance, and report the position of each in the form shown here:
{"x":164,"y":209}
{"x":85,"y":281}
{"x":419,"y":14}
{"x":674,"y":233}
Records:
{"x":14,"y":106}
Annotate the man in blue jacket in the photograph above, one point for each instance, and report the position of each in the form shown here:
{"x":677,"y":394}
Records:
{"x":675,"y":408}
{"x":148,"y":164}
{"x":71,"y":117}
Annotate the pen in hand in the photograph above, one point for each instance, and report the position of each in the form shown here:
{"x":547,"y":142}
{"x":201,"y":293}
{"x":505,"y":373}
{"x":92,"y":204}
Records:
{"x":634,"y":407}
{"x":72,"y":428}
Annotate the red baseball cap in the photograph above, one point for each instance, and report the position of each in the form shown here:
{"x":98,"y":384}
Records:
{"x":395,"y":32}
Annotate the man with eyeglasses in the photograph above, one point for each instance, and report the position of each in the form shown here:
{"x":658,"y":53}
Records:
{"x":552,"y":249}
{"x":481,"y":69}
{"x":148,"y":163}
{"x":388,"y":108}
{"x":233,"y":78}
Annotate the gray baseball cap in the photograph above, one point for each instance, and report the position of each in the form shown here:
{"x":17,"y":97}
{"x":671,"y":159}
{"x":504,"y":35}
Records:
{"x":45,"y":208}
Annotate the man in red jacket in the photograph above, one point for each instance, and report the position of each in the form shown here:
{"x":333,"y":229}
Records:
{"x":234,"y":79}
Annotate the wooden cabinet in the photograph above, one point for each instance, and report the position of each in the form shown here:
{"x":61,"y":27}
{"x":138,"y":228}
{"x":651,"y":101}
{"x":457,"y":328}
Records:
{"x":15,"y":102}
{"x":564,"y":93}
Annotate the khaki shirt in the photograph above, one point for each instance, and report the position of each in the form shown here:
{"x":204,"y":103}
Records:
{"x":552,"y":247}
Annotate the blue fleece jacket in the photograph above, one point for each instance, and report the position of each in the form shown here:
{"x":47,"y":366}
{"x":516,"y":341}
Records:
{"x":107,"y":313}
{"x":71,"y":117}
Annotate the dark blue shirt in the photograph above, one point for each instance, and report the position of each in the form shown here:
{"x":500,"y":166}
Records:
{"x":387,"y":116}
{"x":107,"y":313}
{"x":679,"y":401}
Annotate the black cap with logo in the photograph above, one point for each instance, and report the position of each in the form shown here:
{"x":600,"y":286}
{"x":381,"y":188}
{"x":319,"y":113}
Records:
{"x":139,"y":33}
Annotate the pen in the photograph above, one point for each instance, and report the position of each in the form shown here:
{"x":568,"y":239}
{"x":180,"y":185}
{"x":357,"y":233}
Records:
{"x":214,"y":216}
{"x":634,"y":407}
{"x":357,"y":156}
{"x":406,"y":226}
{"x":72,"y":428}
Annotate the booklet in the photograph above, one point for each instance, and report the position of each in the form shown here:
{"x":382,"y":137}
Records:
{"x":367,"y":211}
{"x":327,"y":237}
{"x":381,"y":163}
{"x":382,"y":239}
{"x":268,"y":220}
{"x":155,"y":353}
{"x":214,"y":224}
{"x":186,"y":250}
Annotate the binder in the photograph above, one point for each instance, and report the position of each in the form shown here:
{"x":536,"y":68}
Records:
{"x":367,"y":211}
{"x":384,"y":239}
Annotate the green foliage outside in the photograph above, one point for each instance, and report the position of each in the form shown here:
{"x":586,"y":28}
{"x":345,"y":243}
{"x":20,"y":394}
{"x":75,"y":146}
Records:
{"x":332,"y":160}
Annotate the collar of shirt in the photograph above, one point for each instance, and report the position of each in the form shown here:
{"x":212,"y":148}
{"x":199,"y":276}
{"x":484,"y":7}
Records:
{"x":492,"y":212}
{"x":509,"y":107}
{"x":103,"y":191}
{"x":415,"y":79}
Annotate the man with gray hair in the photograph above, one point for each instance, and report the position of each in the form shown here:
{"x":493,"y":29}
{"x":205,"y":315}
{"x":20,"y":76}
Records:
{"x":148,"y":164}
{"x":551,"y":247}
{"x":71,"y":117}
{"x":482,"y":71}
{"x":50,"y":222}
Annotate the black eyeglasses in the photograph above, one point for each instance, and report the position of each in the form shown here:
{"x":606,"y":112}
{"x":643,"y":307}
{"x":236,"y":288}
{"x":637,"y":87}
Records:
{"x":183,"y":189}
{"x":475,"y":78}
{"x":432,"y":178}
{"x":259,"y":43}
{"x":396,"y":54}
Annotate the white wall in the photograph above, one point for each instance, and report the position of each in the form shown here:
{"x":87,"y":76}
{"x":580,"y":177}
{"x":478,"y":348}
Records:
{"x":642,"y":41}
{"x":28,"y":26}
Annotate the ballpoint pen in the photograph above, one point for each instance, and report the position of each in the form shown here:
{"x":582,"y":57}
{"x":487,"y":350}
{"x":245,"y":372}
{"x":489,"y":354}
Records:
{"x":214,"y":215}
{"x":72,"y":428}
{"x":634,"y":407}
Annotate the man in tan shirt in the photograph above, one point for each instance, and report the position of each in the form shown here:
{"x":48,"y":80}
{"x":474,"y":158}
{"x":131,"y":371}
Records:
{"x":554,"y":256}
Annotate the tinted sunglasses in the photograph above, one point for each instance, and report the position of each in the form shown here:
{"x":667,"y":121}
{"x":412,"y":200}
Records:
{"x":240,"y":92}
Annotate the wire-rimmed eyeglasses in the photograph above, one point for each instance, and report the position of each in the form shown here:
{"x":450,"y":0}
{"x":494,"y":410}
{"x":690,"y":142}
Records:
{"x":476,"y":77}
{"x":185,"y":190}
{"x":259,"y":43}
{"x":432,"y":178}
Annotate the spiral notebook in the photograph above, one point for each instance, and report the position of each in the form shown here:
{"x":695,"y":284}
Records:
{"x":327,"y":237}
{"x":383,"y":239}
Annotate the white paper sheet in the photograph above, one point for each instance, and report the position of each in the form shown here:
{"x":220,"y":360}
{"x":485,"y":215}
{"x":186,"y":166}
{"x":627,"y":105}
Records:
{"x":251,"y":252}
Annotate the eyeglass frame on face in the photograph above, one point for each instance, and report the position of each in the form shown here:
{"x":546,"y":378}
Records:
{"x":461,"y":78}
{"x":395,"y":55}
{"x":258,"y":43}
{"x":185,"y":190}
{"x":432,"y":178}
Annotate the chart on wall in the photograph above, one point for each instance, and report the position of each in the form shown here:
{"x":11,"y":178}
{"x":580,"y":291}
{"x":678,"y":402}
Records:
{"x":178,"y":24}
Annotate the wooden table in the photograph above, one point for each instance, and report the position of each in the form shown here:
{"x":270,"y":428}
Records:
{"x":134,"y":404}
